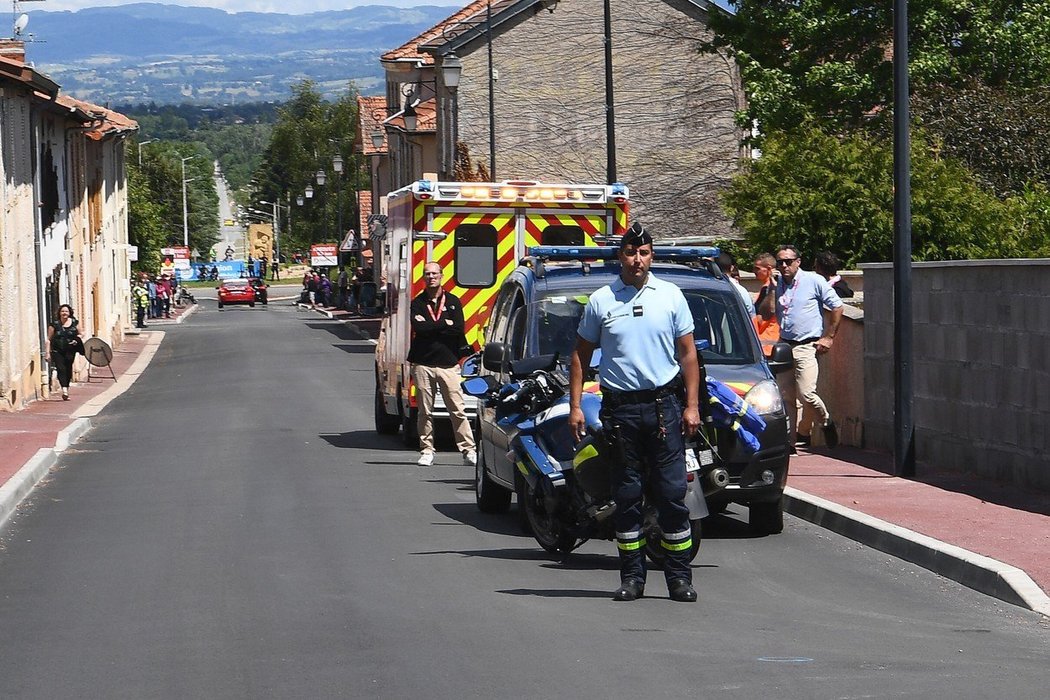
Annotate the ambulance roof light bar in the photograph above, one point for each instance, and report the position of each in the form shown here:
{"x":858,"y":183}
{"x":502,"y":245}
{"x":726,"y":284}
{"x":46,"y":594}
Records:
{"x":519,"y":191}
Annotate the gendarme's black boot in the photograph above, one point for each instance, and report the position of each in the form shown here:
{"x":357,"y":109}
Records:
{"x":681,"y":591}
{"x":630,"y":589}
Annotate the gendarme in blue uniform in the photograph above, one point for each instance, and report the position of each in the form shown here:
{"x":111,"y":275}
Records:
{"x":636,"y":330}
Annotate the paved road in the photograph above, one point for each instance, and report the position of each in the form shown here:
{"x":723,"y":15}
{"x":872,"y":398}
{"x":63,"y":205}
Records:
{"x":234,"y":529}
{"x":229,"y":236}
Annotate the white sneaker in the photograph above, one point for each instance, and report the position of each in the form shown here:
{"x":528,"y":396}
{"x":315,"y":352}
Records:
{"x":425,"y":459}
{"x":470,"y":457}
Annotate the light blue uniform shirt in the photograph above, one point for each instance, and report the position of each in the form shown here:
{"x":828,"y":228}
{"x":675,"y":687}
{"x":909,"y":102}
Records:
{"x":800,"y":305}
{"x":637,"y":330}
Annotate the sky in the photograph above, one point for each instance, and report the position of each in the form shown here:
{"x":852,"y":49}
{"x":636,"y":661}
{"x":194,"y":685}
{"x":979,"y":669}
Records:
{"x":291,"y":7}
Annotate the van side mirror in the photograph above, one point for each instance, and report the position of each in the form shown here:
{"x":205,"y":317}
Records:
{"x":781,"y":359}
{"x":493,"y":357}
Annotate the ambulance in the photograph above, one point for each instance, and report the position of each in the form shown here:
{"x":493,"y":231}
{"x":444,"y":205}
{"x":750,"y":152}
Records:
{"x":477,"y":232}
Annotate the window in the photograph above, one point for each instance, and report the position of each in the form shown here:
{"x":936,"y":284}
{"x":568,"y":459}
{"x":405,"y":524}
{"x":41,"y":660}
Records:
{"x":516,"y":337}
{"x":475,"y":246}
{"x":497,"y":322}
{"x":563,"y":235}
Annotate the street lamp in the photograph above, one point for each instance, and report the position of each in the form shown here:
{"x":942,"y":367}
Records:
{"x":299,"y":200}
{"x":141,"y":144}
{"x":452,"y":68}
{"x":903,"y":426}
{"x":309,"y":192}
{"x":610,"y":118}
{"x":185,"y":210}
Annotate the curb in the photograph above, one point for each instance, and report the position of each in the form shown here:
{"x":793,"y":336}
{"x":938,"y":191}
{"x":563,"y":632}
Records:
{"x":360,"y":334}
{"x":23,"y":481}
{"x":29,"y":474}
{"x":189,"y":312}
{"x":307,"y":307}
{"x":976,"y":571}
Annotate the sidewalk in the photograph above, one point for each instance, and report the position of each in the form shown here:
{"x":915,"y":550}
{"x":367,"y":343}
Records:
{"x":33,"y":437}
{"x":985,"y":535}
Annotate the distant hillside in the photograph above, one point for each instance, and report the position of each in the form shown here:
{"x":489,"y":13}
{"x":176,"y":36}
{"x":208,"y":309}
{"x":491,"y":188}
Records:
{"x":170,"y":54}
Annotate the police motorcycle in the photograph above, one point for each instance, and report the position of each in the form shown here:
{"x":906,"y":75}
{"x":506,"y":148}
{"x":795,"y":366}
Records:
{"x":567,"y":490}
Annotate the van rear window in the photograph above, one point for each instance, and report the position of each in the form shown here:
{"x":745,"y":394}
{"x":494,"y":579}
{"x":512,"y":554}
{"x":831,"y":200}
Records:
{"x":475,"y":246}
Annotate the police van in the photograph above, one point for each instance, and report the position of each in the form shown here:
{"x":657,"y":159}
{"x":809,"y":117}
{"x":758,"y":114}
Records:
{"x":537,"y":312}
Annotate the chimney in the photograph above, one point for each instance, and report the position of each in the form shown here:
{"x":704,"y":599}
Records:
{"x":13,"y":50}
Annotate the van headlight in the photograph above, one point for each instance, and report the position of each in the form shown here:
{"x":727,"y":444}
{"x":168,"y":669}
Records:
{"x":765,"y":398}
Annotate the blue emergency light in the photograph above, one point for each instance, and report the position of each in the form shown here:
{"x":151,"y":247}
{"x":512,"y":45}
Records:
{"x":660,"y":252}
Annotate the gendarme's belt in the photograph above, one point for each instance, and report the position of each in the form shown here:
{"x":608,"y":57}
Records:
{"x":643,"y":395}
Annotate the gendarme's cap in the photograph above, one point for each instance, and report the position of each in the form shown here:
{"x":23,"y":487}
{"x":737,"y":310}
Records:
{"x":636,"y":236}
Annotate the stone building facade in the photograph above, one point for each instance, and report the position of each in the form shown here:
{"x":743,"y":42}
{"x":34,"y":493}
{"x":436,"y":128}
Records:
{"x":63,"y":229}
{"x":677,"y":143}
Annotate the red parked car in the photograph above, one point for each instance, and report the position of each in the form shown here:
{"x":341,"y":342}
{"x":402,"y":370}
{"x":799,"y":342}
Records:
{"x":236,"y":291}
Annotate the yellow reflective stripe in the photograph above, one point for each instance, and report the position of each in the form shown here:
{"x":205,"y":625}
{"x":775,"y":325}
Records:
{"x":679,"y":547}
{"x":522,"y":469}
{"x":631,"y":546}
{"x":584,"y":454}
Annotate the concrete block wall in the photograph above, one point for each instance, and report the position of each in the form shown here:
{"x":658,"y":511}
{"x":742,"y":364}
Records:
{"x":981,"y":366}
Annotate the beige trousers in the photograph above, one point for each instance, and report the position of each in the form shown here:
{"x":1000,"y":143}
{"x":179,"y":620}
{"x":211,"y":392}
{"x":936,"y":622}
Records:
{"x":428,"y":381}
{"x":800,"y":391}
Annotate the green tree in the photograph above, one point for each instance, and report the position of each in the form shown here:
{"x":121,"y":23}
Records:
{"x":819,"y":191}
{"x":155,"y":199}
{"x":831,"y":59}
{"x":997,"y":132}
{"x":309,"y":131}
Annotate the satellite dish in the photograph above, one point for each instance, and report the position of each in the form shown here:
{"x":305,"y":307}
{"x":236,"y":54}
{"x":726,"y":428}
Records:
{"x":20,"y":24}
{"x":98,"y":352}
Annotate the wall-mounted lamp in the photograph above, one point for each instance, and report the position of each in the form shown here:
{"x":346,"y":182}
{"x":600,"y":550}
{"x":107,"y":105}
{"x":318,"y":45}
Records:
{"x":410,"y":117}
{"x":451,"y":70}
{"x":377,"y":139}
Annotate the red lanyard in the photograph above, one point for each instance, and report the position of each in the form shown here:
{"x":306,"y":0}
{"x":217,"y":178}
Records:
{"x":435,"y":314}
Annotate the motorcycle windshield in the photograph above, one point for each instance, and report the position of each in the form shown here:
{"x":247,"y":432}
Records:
{"x":716,"y":317}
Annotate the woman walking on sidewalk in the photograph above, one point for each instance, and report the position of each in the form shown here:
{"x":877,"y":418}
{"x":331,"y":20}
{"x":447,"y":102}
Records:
{"x":63,"y":339}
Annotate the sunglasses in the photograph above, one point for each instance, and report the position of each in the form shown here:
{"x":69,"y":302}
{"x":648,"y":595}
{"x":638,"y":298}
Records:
{"x":785,"y":261}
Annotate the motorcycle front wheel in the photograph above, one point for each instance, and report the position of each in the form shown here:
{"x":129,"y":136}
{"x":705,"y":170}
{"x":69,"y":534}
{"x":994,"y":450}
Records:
{"x":654,"y":536}
{"x":548,"y":531}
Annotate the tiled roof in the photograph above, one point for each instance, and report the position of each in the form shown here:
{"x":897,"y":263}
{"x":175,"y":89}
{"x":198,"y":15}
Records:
{"x":106,"y":121}
{"x":371,"y":113}
{"x":410,"y":50}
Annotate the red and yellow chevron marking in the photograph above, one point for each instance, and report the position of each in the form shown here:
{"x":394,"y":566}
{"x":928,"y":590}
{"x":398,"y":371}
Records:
{"x":535,"y":224}
{"x":477,"y":302}
{"x":620,"y":212}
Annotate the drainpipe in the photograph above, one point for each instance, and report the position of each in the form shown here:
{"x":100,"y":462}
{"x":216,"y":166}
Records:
{"x":38,"y":244}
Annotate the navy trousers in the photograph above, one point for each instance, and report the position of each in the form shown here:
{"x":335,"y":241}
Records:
{"x":648,"y":436}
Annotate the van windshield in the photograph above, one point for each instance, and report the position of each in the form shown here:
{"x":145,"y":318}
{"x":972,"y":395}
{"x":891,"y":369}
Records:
{"x":718,"y":316}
